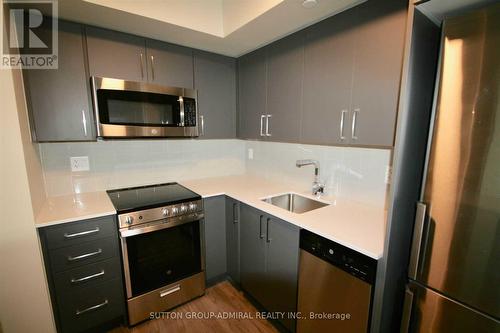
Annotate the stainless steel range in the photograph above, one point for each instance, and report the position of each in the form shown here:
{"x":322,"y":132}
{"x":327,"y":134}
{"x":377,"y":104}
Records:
{"x":162,"y":246}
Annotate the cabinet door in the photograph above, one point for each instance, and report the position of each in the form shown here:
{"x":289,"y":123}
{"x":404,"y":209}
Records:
{"x":116,"y":55}
{"x":215,"y":79}
{"x":59,"y":99}
{"x":377,"y":71}
{"x":169,"y":65}
{"x":252,"y":94}
{"x":233,"y":239}
{"x":328,"y":65}
{"x":284,"y":88}
{"x":282,"y":268}
{"x":215,"y":237}
{"x":253,"y":253}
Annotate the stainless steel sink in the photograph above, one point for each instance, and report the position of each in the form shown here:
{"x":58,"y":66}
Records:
{"x":294,"y":203}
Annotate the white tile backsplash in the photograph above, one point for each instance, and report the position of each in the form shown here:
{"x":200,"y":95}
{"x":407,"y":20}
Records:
{"x":354,"y":173}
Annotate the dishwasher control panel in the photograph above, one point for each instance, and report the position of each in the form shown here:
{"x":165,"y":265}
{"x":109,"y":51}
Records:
{"x":350,"y":261}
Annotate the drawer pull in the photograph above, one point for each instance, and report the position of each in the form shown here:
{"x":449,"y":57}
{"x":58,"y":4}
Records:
{"x":170,"y":291}
{"x":86,"y":255}
{"x":83,"y":233}
{"x":89,"y":277}
{"x":92,"y":308}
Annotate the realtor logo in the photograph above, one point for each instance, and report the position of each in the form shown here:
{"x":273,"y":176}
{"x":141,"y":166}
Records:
{"x":29,"y":36}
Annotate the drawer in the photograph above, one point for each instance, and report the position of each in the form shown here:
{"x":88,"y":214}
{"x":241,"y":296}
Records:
{"x":92,"y":306}
{"x":73,"y":233}
{"x":87,"y":276}
{"x":82,"y":254}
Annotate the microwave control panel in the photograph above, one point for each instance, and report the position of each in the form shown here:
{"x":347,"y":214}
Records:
{"x":189,"y":111}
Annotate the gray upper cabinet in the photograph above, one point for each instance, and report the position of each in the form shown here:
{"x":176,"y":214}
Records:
{"x":378,"y":61}
{"x":284,"y":88}
{"x":328,"y":66}
{"x":116,"y":55}
{"x":233,"y":239}
{"x":169,"y":65}
{"x":215,"y":80}
{"x":59,"y":99}
{"x":252,"y":72}
{"x":215,"y":237}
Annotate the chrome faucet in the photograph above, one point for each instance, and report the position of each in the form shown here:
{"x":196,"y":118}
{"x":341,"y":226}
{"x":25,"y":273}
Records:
{"x":318,"y":188}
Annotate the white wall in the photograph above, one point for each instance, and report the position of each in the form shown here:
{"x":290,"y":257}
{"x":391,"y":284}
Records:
{"x":355,"y":173}
{"x":24,"y":299}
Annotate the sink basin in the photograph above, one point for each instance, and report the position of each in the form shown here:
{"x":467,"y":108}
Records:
{"x":294,"y":203}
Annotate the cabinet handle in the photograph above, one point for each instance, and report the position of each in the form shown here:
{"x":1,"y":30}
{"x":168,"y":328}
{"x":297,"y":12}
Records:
{"x":267,"y":124}
{"x":353,"y":129}
{"x":86,"y":255}
{"x":83,"y":233}
{"x":84,"y":121}
{"x":153,"y":67}
{"x":235,"y":214}
{"x":89,"y":277}
{"x":342,"y":121}
{"x":170,"y":291}
{"x":202,"y":125}
{"x":92,"y":308}
{"x":261,"y":125}
{"x":261,"y":236}
{"x":142,"y":65}
{"x":268,"y":239}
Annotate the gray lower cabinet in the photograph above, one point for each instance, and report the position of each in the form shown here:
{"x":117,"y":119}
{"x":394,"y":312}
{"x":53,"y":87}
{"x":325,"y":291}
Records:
{"x":252,"y":94}
{"x":59,"y":99}
{"x":84,"y":270}
{"x":233,"y":239}
{"x":269,"y":261}
{"x":215,"y":238}
{"x":116,"y":55}
{"x":215,"y":80}
{"x":169,"y":64}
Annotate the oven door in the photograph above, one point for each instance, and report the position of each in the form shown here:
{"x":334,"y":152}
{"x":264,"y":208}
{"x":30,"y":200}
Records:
{"x":160,"y":253}
{"x":138,"y":109}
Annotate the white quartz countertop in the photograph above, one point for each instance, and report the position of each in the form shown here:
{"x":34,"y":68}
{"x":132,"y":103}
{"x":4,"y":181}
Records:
{"x":356,"y":225}
{"x":75,"y":207}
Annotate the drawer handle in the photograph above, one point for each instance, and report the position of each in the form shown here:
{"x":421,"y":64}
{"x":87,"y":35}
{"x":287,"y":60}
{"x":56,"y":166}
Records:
{"x":89,"y":277}
{"x":86,"y":255}
{"x":170,"y":291}
{"x":83,"y":233}
{"x":92,"y":308}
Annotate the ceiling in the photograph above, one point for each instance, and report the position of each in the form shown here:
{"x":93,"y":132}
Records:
{"x":229,"y":27}
{"x":438,"y":10}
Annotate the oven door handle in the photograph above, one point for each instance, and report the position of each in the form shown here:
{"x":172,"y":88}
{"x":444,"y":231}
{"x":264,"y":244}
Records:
{"x":161,"y":224}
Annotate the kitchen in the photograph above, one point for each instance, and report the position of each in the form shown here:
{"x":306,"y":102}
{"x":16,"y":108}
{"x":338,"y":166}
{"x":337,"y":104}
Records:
{"x":195,"y":166}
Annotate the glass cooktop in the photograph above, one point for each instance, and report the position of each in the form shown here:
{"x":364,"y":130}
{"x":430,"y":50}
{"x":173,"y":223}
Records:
{"x":145,"y":197}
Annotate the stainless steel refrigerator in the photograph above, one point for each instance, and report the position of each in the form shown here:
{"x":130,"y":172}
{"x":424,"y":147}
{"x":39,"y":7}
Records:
{"x":454,"y":271}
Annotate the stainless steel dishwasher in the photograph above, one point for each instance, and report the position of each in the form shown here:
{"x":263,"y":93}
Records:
{"x":335,"y":286}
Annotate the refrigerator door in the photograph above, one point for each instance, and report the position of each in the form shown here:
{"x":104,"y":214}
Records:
{"x":432,"y":312}
{"x":460,"y":253}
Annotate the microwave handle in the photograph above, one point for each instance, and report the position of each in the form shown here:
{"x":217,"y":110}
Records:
{"x":202,"y":125}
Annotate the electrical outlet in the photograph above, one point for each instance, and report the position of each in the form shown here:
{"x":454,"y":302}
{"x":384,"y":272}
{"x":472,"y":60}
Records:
{"x":79,"y":163}
{"x":388,"y":174}
{"x":250,"y":153}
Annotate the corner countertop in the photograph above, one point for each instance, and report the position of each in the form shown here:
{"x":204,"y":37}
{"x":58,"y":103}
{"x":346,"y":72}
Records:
{"x":74,"y":207}
{"x":356,"y":225}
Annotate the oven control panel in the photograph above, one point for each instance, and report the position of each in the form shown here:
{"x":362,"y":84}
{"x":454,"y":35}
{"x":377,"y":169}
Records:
{"x":153,"y":214}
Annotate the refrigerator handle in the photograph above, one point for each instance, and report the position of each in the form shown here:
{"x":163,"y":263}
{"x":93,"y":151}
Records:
{"x":416,"y":245}
{"x":407,"y":310}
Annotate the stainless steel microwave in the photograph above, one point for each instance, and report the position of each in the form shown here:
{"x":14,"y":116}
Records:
{"x":128,"y":109}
